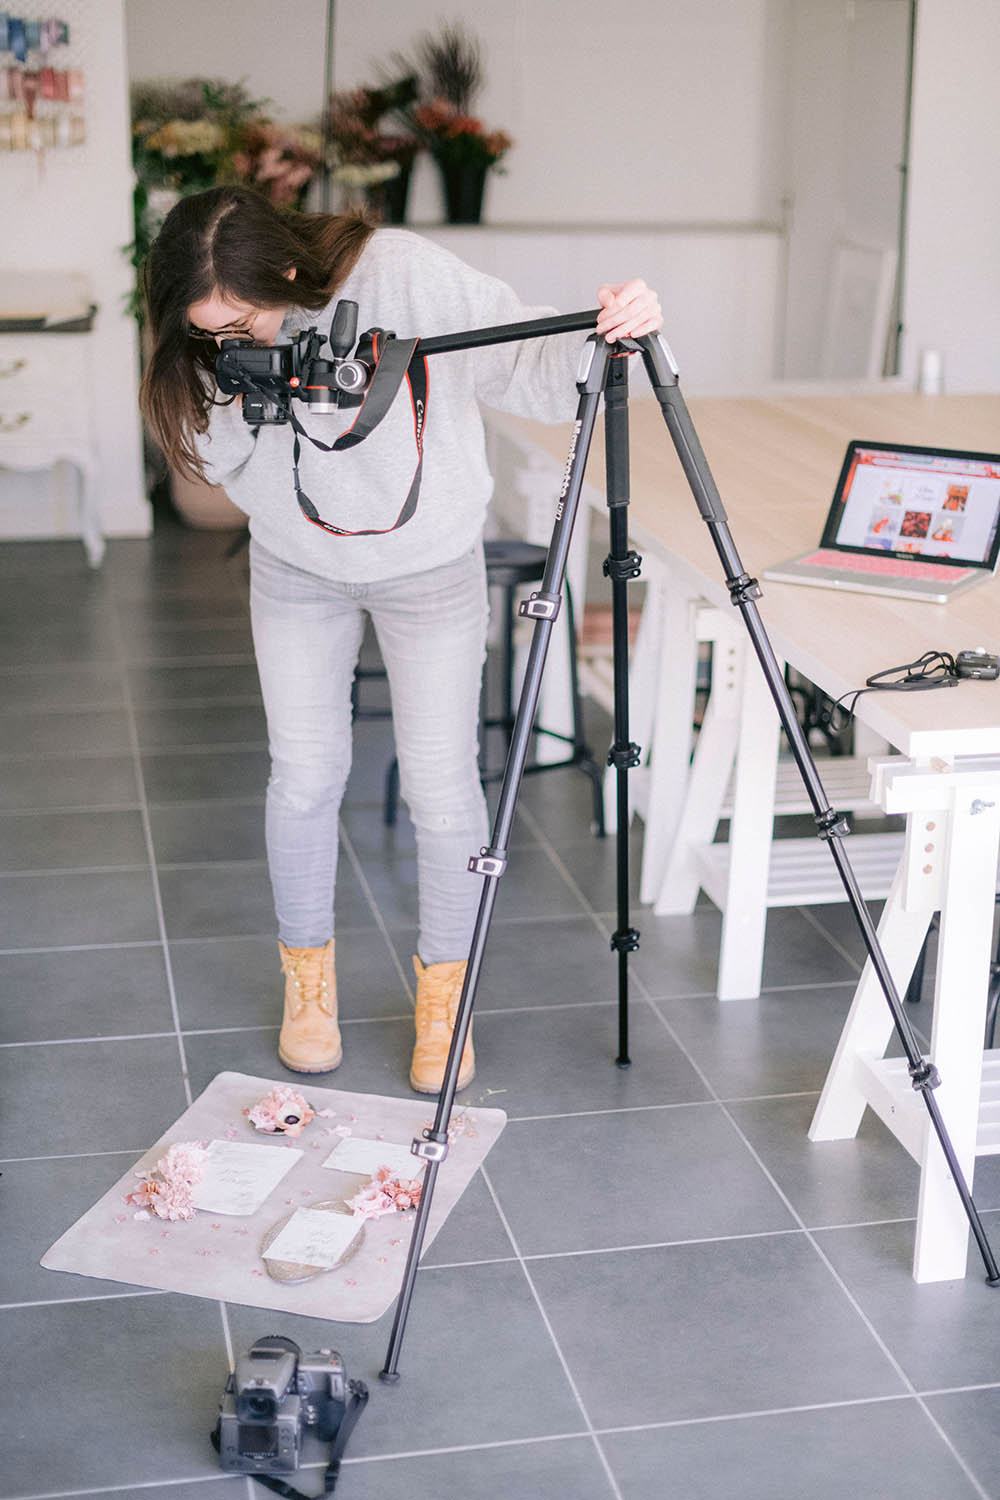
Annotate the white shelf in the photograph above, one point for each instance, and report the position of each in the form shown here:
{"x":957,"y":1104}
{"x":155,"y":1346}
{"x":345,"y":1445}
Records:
{"x":890,"y":1093}
{"x":846,"y":780}
{"x":802,"y":871}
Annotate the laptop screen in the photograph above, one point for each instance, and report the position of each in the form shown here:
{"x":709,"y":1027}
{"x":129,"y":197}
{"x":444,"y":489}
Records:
{"x":917,"y":502}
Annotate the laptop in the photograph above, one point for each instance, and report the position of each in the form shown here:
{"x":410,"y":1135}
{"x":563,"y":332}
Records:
{"x":914,"y":523}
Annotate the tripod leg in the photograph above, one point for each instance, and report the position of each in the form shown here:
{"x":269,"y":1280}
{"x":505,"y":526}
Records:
{"x":620,"y":566}
{"x":744,"y":592}
{"x":543,"y":607}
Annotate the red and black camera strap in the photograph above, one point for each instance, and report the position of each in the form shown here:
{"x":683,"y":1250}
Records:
{"x":397,"y":360}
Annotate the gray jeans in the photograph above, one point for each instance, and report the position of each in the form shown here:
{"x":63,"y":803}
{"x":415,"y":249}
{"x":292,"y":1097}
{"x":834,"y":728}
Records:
{"x":431,"y":630}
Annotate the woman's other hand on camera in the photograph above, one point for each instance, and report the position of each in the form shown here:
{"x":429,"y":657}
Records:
{"x":628,"y":311}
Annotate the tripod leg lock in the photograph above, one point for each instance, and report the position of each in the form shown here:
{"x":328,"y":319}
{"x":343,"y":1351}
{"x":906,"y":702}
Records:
{"x":625,"y":757}
{"x":832,"y":825}
{"x":625,"y":941}
{"x":743,"y":589}
{"x":432,"y":1145}
{"x":488,"y":862}
{"x":540,"y":606}
{"x":924,"y":1075}
{"x":621,"y":569}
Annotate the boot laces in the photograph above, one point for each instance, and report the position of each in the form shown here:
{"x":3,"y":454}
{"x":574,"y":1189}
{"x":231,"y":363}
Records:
{"x":306,"y":972}
{"x":438,"y":998}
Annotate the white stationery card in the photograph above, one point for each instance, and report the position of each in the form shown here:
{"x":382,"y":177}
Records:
{"x":354,"y":1154}
{"x":313,"y":1237}
{"x":237,"y":1177}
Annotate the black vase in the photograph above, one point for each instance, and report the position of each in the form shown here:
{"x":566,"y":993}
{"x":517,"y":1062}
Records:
{"x":464,"y":186}
{"x":387,"y":200}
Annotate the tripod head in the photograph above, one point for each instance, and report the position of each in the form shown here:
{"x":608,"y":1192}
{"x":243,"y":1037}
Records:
{"x":269,"y":376}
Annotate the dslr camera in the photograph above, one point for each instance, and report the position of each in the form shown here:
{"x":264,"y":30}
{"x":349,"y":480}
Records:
{"x":268,"y":377}
{"x":275,"y":1395}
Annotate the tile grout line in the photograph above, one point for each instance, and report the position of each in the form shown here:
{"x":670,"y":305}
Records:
{"x":147,"y":831}
{"x":809,"y":1235}
{"x":839,"y":1281}
{"x":578,"y":1398}
{"x":167,"y":962}
{"x":555,"y":859}
{"x":828,"y":937}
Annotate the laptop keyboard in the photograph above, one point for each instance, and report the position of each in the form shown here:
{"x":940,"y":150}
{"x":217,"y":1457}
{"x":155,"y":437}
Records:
{"x":854,"y":562}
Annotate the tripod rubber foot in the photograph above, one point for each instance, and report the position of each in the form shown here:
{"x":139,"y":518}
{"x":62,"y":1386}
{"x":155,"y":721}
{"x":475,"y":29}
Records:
{"x":993,"y":1281}
{"x":623,"y":1062}
{"x":389,"y":1377}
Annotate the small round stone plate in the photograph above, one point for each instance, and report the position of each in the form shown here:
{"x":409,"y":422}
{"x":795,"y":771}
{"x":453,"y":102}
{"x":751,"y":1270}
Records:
{"x":287,"y":1270}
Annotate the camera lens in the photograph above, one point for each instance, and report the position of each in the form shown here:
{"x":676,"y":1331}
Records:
{"x":260,"y":1406}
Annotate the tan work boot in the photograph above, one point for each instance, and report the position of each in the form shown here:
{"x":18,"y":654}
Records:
{"x":439,"y":989}
{"x":310,"y":1037}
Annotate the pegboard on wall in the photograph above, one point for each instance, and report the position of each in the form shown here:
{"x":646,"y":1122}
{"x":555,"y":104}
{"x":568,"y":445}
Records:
{"x":43,"y":79}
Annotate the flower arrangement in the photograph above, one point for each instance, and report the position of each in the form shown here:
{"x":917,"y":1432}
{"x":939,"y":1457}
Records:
{"x":167,"y":1189}
{"x":385,"y":1194}
{"x":195,"y":134}
{"x":284,"y":1110}
{"x":366,"y":155}
{"x":457,"y":139}
{"x":449,"y":64}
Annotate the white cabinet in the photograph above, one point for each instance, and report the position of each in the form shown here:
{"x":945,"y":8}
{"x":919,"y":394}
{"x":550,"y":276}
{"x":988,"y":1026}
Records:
{"x":47,"y":386}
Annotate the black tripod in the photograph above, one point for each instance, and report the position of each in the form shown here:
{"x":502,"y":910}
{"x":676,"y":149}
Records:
{"x":604,"y":372}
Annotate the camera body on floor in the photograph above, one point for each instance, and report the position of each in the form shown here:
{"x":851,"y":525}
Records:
{"x":274,"y":1396}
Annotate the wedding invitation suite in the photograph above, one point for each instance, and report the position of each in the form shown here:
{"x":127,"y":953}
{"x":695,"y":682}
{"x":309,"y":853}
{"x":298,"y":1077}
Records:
{"x":237,"y":1177}
{"x":354,"y":1154}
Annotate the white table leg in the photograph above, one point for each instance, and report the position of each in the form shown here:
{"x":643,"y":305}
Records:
{"x":671,"y":735}
{"x":869,"y":1025}
{"x":704,"y":791}
{"x":90,"y":516}
{"x":964,"y":950}
{"x":741,"y":954}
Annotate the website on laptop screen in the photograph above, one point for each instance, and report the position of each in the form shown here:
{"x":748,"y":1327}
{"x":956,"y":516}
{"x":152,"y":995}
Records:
{"x":936,"y":505}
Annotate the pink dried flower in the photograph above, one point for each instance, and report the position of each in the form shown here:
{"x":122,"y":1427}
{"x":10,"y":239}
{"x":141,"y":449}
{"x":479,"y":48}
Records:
{"x":385,"y":1194}
{"x":167,"y":1189}
{"x":283,"y":1110}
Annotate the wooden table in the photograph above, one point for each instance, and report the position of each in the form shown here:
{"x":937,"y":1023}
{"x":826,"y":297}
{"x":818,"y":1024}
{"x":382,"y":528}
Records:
{"x":775,"y":462}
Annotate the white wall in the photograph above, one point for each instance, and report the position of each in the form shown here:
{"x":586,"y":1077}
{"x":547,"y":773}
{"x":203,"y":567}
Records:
{"x":660,"y":112}
{"x":952,"y":284}
{"x":72,"y":212}
{"x":663,"y":128}
{"x":277,"y":50}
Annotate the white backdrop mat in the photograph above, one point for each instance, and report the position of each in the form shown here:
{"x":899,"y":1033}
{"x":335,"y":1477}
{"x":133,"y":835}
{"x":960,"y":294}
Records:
{"x":218,"y":1256}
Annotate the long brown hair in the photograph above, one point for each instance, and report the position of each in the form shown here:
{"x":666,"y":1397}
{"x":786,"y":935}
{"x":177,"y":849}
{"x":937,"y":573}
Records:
{"x":232,"y":242}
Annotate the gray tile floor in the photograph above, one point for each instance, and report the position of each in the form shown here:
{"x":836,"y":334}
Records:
{"x":656,"y":1286}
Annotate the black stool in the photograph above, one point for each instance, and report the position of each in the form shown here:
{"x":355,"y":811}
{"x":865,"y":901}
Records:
{"x":510,"y":565}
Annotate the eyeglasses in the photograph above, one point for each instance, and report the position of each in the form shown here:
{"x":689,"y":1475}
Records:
{"x":219,"y":333}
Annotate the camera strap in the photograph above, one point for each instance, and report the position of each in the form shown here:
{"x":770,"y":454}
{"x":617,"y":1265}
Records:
{"x":397,"y":360}
{"x":352,"y":1411}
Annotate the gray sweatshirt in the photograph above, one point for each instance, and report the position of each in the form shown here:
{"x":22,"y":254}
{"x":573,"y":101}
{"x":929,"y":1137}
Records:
{"x":403,"y":283}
